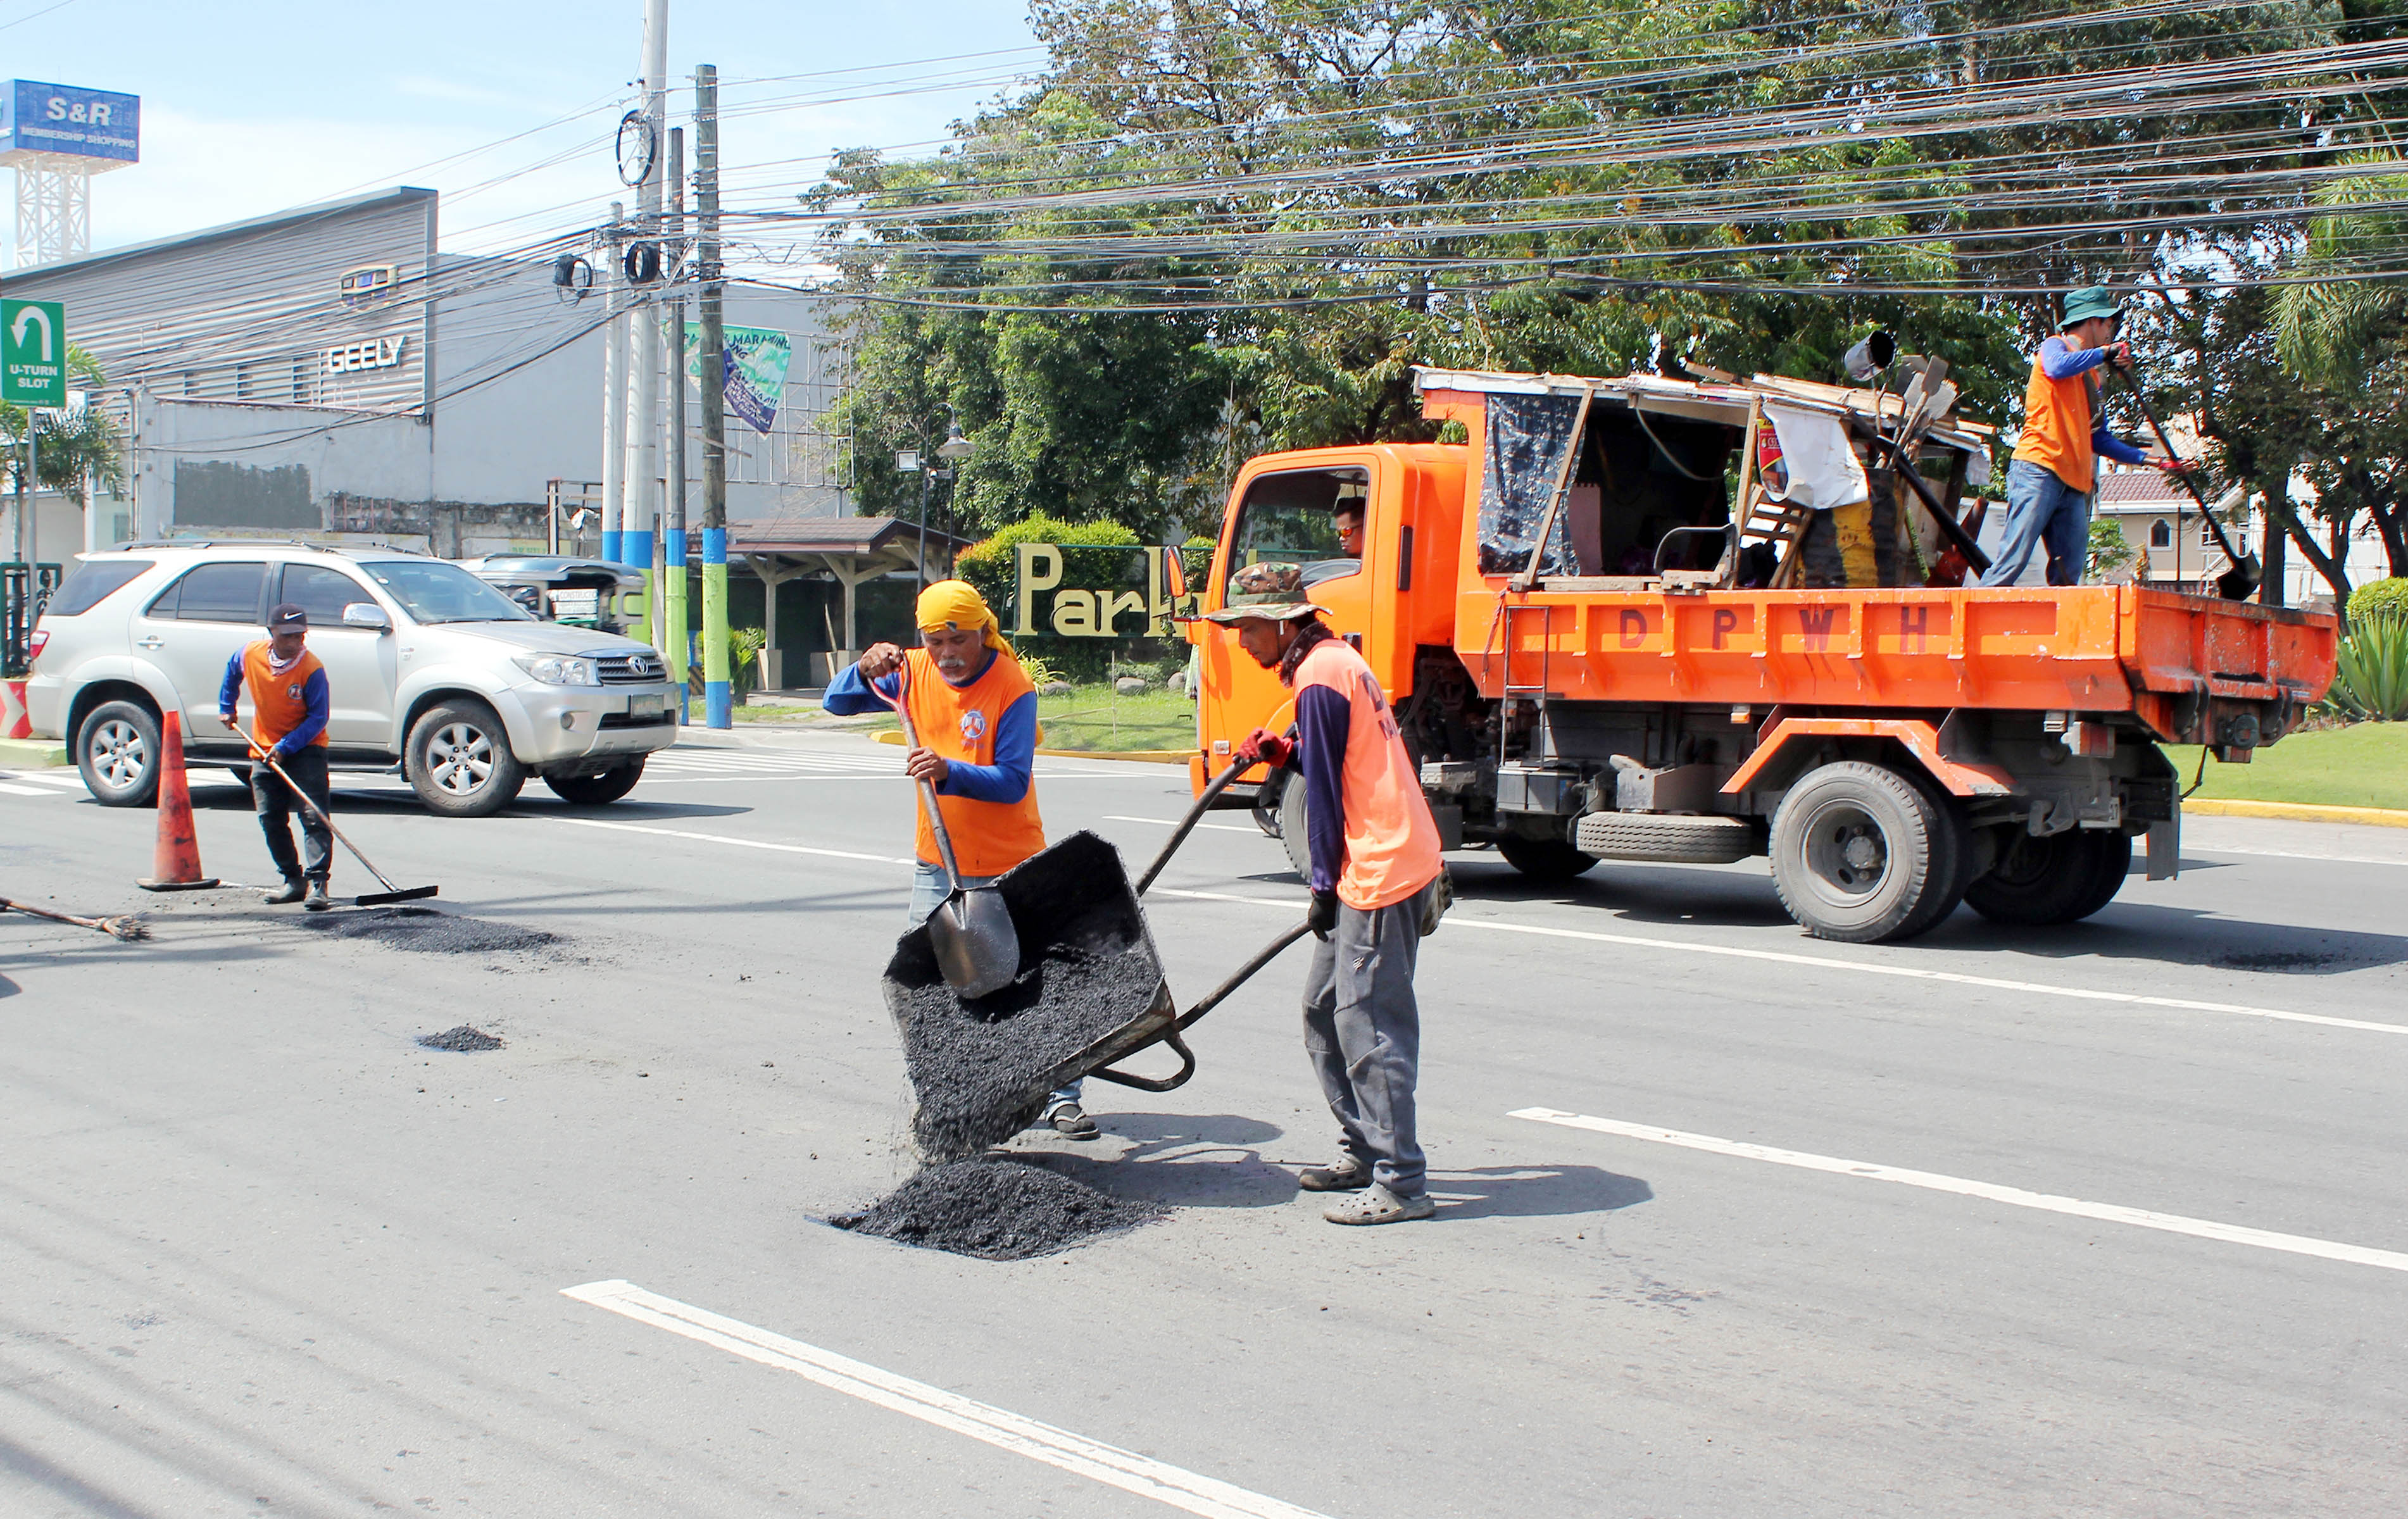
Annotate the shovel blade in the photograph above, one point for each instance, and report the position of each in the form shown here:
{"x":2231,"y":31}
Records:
{"x":977,"y":949}
{"x":409,"y":894}
{"x":2242,"y":581}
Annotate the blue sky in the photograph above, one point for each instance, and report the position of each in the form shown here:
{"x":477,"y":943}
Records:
{"x":253,"y":106}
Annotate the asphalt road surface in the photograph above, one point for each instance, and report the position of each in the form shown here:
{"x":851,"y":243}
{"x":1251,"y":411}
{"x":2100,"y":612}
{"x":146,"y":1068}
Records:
{"x":2104,"y":1220}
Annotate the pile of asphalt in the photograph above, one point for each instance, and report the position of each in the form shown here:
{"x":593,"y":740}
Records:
{"x":463,"y":1038}
{"x":429,"y":931}
{"x":981,"y":1068}
{"x":997,"y":1210}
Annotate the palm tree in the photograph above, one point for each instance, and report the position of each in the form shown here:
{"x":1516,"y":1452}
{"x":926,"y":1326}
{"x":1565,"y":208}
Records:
{"x":2323,"y":332}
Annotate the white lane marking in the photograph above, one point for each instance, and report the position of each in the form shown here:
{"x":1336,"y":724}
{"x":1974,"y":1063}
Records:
{"x":2204,"y":1228}
{"x":1173,"y":823}
{"x":1091,"y":1458}
{"x":1819,"y":962}
{"x":67,"y":780}
{"x":27,"y":791}
{"x":722,"y":838}
{"x":2295,"y":855}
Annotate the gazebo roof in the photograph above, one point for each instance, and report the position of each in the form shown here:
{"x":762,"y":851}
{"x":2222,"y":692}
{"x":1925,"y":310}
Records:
{"x":829,"y":536}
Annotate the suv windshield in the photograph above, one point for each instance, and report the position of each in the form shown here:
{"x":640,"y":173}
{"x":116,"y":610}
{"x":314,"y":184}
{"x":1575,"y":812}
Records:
{"x":432,"y":590}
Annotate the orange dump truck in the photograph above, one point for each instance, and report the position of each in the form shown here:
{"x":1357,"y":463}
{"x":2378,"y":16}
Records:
{"x":1605,"y":639}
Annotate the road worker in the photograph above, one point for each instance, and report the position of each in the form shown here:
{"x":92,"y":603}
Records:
{"x":975,"y":715}
{"x":288,"y":721}
{"x":2056,"y":467}
{"x":1377,"y":883}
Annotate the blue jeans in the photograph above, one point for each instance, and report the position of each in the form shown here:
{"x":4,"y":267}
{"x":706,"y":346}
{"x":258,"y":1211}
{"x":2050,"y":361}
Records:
{"x":2043,"y":509}
{"x":930,"y":889}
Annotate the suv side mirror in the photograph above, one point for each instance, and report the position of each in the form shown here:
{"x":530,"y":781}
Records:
{"x":366,"y":614}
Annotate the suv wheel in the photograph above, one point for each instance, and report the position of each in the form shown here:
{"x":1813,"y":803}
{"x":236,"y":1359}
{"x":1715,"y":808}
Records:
{"x":117,"y":750}
{"x":459,"y":761}
{"x":595,"y":790}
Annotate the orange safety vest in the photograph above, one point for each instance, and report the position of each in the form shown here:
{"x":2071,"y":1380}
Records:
{"x":1391,"y":839}
{"x":2057,"y":428}
{"x":959,"y":723}
{"x":276,"y":705}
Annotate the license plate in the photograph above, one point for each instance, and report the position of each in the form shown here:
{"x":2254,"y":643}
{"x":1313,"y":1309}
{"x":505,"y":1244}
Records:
{"x":645,"y":706}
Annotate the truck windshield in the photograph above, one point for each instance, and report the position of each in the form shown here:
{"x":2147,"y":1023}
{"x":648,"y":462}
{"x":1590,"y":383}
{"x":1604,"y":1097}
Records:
{"x":1292,"y":518}
{"x":432,"y":590}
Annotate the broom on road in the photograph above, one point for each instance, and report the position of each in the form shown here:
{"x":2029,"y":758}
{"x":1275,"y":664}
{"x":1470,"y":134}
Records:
{"x":390,"y":893}
{"x":124,"y":925}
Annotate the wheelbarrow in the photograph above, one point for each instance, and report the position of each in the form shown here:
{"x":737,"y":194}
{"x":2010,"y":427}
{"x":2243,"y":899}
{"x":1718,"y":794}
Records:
{"x":1090,"y":993}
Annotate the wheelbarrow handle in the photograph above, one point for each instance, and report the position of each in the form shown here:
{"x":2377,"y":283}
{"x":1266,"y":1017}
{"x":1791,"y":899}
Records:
{"x":1155,"y":1084}
{"x":1242,"y":975}
{"x":1195,"y":814}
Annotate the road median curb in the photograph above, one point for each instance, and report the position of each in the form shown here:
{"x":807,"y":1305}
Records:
{"x":32,"y":753}
{"x":2381,"y":817}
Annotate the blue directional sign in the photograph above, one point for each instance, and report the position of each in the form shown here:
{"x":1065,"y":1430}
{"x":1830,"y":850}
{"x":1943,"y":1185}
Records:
{"x":65,"y":119}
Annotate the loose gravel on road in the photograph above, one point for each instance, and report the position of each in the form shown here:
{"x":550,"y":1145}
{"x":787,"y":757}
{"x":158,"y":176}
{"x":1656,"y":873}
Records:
{"x":428,"y":931}
{"x":463,"y":1038}
{"x":997,"y":1210}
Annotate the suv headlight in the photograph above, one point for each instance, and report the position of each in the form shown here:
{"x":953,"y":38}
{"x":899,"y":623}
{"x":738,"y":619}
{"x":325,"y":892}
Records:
{"x":558,"y":670}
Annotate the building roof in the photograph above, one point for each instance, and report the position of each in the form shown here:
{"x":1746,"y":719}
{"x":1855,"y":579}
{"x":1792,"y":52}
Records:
{"x":2141,"y":490}
{"x":399,"y":194}
{"x":828,"y":535}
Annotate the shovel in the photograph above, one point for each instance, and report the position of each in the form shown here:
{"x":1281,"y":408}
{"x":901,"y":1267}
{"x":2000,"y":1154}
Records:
{"x":390,"y":893}
{"x":2240,"y":582}
{"x":977,"y":949}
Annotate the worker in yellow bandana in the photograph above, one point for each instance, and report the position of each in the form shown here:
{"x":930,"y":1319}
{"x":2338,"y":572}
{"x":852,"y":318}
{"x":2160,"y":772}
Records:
{"x":975,"y":714}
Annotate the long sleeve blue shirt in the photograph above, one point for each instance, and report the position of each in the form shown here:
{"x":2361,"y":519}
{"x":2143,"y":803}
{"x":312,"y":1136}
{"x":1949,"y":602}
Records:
{"x":1324,"y":719}
{"x":314,"y":697}
{"x":2061,"y":360}
{"x":1015,"y":733}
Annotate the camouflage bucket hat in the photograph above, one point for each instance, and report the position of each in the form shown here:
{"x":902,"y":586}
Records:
{"x":1272,"y":591}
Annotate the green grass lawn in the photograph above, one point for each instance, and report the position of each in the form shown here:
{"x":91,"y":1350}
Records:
{"x":1093,"y":718}
{"x":2365,"y":765}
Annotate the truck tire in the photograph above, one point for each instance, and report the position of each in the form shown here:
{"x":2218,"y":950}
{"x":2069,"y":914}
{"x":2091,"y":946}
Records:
{"x":117,"y":751}
{"x":1665,"y":838}
{"x":597,"y":790}
{"x":1952,"y":856}
{"x":459,"y":761}
{"x":2060,"y":879}
{"x":1544,"y":859}
{"x":1291,"y":820}
{"x":1861,"y":853}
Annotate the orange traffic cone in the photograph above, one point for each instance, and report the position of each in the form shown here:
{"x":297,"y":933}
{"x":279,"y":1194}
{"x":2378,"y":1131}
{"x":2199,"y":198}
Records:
{"x":177,"y":861}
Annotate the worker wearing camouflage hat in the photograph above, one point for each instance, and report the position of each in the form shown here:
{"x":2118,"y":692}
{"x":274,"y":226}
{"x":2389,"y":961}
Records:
{"x":1377,"y":881}
{"x":2056,"y":467}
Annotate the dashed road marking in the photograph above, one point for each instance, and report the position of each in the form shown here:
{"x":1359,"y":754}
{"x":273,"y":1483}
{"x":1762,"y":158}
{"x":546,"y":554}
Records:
{"x":1173,"y":823}
{"x":2202,"y":1228}
{"x":1055,"y":1447}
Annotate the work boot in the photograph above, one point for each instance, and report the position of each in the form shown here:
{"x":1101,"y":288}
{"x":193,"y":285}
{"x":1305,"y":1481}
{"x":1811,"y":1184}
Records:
{"x":291,"y":892}
{"x":1071,"y":1121}
{"x":317,"y":902}
{"x":1376,"y":1204}
{"x":1344,"y":1174}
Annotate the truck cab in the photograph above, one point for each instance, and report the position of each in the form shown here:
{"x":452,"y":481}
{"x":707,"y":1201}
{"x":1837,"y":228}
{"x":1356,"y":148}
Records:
{"x":1623,"y":622}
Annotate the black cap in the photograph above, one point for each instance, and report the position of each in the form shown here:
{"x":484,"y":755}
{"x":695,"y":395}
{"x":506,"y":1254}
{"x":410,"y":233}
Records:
{"x":285,"y":615}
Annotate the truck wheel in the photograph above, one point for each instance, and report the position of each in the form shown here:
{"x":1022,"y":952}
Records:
{"x":459,"y":761}
{"x":595,"y":790}
{"x":1544,"y":859}
{"x":117,"y":751}
{"x":1952,"y":858}
{"x":1292,"y":825}
{"x":2063,"y":878}
{"x":1860,"y":853}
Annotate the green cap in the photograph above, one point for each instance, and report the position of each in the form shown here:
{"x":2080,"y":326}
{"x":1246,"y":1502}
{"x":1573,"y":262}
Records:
{"x":2088,"y":302}
{"x":1274,"y":591}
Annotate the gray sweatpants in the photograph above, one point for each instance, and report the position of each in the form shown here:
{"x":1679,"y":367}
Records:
{"x":1363,"y":1033}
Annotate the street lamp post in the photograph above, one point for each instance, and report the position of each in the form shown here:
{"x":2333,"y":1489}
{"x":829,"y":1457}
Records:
{"x":954,"y":449}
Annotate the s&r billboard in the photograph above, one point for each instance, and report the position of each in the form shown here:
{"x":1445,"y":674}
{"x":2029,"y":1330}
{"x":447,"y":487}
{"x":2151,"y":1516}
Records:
{"x":37,"y":118}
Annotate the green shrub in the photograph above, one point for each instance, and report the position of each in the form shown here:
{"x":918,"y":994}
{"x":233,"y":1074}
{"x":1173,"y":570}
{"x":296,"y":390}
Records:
{"x":991,"y":563}
{"x":2371,"y":676}
{"x":2380,"y":599}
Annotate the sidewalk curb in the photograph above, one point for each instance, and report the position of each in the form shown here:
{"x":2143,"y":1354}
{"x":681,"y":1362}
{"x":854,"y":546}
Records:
{"x":2299,"y":812}
{"x":1140,"y":757}
{"x":32,"y":753}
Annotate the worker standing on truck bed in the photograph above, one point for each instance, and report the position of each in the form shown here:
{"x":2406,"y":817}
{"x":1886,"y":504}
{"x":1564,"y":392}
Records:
{"x":1375,"y":869}
{"x":2056,"y":467}
{"x":975,"y":714}
{"x":288,"y":706}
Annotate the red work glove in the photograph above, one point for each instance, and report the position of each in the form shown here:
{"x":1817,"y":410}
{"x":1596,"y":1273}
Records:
{"x":2182,"y":469}
{"x":1264,"y":747}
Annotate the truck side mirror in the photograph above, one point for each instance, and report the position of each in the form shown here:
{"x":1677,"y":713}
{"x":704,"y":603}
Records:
{"x":1174,"y":569}
{"x":366,"y":614}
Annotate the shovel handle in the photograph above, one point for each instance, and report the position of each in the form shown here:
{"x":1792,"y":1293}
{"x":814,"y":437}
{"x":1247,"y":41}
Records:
{"x":927,"y":792}
{"x":2133,"y":385}
{"x":269,"y":756}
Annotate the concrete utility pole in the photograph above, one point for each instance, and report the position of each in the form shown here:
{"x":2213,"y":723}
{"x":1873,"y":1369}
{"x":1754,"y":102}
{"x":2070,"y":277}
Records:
{"x":714,"y":400}
{"x":673,"y":530}
{"x":614,"y":385}
{"x":645,"y":496}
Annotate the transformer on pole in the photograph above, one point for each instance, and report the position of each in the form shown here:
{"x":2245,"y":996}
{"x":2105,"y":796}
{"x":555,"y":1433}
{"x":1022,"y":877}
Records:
{"x":57,"y":136}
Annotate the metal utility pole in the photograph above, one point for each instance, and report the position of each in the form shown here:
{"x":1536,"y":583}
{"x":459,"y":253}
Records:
{"x":714,"y":400}
{"x":673,"y":530}
{"x":615,"y":391}
{"x":644,"y":498}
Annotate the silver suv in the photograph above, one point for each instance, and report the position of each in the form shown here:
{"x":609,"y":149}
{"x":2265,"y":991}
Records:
{"x":429,"y":669}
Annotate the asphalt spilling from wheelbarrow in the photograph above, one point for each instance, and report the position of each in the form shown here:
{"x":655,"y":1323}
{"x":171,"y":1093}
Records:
{"x":998,"y":1208}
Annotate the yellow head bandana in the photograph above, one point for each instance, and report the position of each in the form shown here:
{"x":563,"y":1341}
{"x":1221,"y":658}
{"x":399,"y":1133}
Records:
{"x":958,"y":605}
